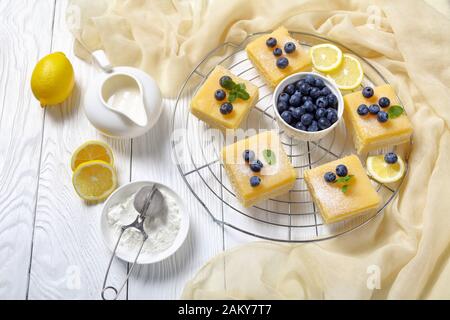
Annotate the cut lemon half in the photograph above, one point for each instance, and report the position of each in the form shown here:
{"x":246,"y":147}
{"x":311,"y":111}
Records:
{"x":384,"y":172}
{"x":349,"y":74}
{"x":94,"y":180}
{"x":326,"y":57}
{"x":92,"y":150}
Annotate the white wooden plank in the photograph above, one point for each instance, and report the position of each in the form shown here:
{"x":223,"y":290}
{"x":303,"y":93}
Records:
{"x":152,"y":161}
{"x":24,"y":37}
{"x":69,"y":257}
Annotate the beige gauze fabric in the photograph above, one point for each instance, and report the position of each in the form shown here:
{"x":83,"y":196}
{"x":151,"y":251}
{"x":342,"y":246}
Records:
{"x":408,"y":41}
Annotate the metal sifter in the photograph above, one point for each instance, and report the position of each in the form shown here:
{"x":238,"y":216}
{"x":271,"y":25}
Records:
{"x":148,"y":201}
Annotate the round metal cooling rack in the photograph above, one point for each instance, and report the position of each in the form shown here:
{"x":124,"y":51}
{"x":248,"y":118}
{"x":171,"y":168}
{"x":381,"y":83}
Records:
{"x":289,"y":218}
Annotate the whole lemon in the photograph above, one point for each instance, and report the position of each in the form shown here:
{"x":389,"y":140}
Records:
{"x":53,"y":79}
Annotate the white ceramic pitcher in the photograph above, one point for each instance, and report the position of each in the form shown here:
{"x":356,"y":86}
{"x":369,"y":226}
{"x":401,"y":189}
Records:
{"x":123,"y":102}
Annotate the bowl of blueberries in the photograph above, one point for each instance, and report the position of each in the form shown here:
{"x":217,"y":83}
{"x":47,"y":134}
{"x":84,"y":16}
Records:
{"x":308,"y":106}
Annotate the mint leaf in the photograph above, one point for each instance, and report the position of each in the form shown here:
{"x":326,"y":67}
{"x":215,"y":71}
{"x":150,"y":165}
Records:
{"x":228,"y":84}
{"x":395,"y":111}
{"x":232,"y":97}
{"x":344,"y":179}
{"x":241,"y":87}
{"x":344,"y":188}
{"x":243,"y":95}
{"x":269,"y":155}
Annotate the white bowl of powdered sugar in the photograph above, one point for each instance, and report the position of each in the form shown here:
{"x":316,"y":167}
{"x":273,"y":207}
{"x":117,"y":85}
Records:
{"x":166,"y":229}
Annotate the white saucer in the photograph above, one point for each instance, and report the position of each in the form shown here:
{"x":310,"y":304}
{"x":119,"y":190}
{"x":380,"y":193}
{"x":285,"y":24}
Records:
{"x":110,"y":235}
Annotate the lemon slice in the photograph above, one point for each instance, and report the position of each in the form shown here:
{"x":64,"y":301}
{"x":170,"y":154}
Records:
{"x":384,"y":172}
{"x":326,"y":57}
{"x":94,"y":180}
{"x":349,"y":74}
{"x":92,"y":150}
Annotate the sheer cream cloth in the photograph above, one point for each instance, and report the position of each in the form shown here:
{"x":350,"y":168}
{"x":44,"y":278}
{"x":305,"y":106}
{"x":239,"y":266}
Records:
{"x":409,"y":43}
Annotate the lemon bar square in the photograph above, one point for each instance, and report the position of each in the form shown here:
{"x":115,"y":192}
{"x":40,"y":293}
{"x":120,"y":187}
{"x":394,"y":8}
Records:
{"x":277,"y":175}
{"x":205,"y":107}
{"x":367,"y":132}
{"x":333,"y":203}
{"x":265,"y":62}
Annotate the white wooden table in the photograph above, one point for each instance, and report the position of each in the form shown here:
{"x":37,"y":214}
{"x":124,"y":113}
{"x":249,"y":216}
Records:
{"x":50,"y":241}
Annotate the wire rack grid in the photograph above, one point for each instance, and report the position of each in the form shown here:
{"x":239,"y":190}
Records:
{"x":289,"y":218}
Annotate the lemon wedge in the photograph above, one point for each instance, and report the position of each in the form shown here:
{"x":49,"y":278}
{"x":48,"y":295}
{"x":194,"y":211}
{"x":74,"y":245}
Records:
{"x":94,"y":180}
{"x":384,"y":172}
{"x":53,"y":79}
{"x":349,"y":74}
{"x":326,"y":57}
{"x":92,"y":150}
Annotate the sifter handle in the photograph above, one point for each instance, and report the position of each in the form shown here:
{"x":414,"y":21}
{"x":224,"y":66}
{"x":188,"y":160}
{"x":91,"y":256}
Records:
{"x":112,"y":288}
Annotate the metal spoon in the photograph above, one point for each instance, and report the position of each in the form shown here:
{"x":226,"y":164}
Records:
{"x":148,"y":201}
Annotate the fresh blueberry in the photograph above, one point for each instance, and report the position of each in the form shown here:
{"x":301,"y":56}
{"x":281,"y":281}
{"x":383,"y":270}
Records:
{"x":290,"y":89}
{"x":332,"y":100}
{"x":305,"y":88}
{"x":255,"y":181}
{"x":297,"y":113}
{"x":390,"y":158}
{"x":287,"y":117}
{"x":329,"y":177}
{"x":295,"y":101}
{"x":289,"y":47}
{"x":318,"y":83}
{"x":282,"y":62}
{"x":256,"y":166}
{"x":284,"y":97}
{"x":363,"y":110}
{"x":307,"y":119}
{"x":309,"y":107}
{"x":306,"y":98}
{"x":322,"y":102}
{"x":384,"y":102}
{"x":220,"y":94}
{"x":300,"y":126}
{"x":313,"y":127}
{"x":224,"y":80}
{"x":271,"y":42}
{"x":325,"y":91}
{"x":374,"y":109}
{"x":367,"y":92}
{"x":320,"y":112}
{"x":226,"y":108}
{"x":341,"y":170}
{"x":315,"y":93}
{"x":310,"y":79}
{"x":277,"y":52}
{"x":248,"y":155}
{"x":299,"y":83}
{"x":382,"y":116}
{"x":282,"y":106}
{"x":324,"y":123}
{"x":332,"y":115}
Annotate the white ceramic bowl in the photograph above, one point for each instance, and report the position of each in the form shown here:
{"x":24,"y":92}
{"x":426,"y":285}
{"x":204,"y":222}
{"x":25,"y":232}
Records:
{"x":300,"y":134}
{"x":110,"y":235}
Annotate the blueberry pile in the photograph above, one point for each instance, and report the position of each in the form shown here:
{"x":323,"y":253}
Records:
{"x":220,"y":95}
{"x":308,"y":105}
{"x":289,"y":47}
{"x":255,"y":165}
{"x":341,"y":171}
{"x":374,"y":109}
